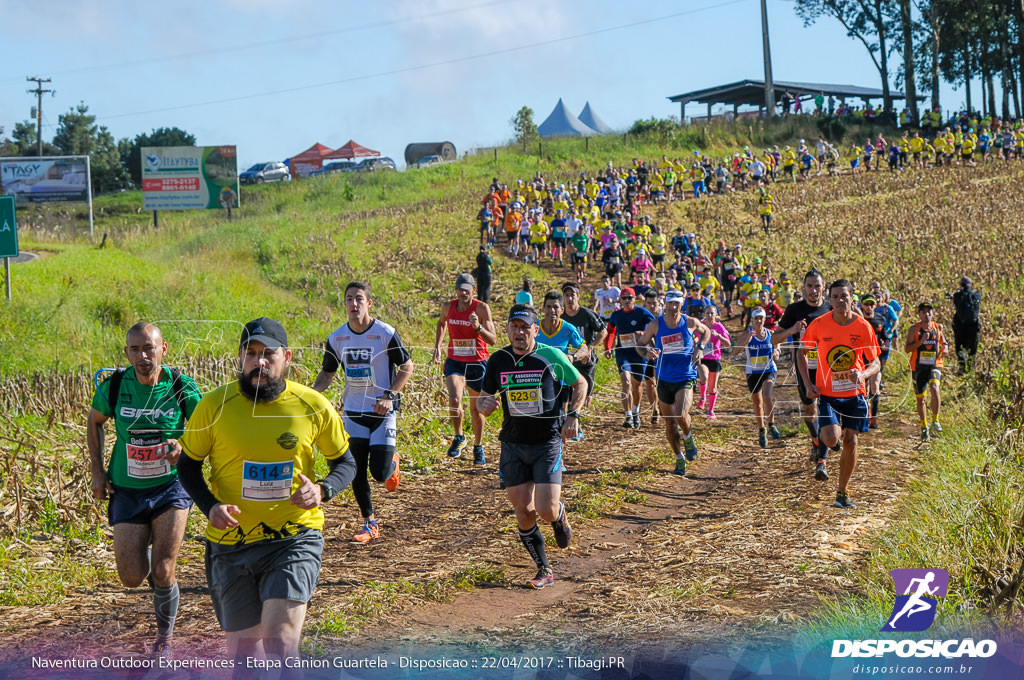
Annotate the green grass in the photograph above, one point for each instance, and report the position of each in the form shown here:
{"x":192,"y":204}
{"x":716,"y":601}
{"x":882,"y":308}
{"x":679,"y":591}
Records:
{"x":965,"y":514}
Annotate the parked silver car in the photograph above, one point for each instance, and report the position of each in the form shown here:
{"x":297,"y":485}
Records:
{"x":265,"y":172}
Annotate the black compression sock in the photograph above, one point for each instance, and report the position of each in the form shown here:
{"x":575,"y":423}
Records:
{"x":533,"y":540}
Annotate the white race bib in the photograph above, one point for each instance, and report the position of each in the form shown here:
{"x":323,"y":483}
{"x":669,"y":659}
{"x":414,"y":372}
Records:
{"x":812,"y":358}
{"x":267,"y":481}
{"x":524,"y":402}
{"x":841,"y":382}
{"x":146,"y":450}
{"x":464,"y":348}
{"x":627,"y":340}
{"x":673,"y":344}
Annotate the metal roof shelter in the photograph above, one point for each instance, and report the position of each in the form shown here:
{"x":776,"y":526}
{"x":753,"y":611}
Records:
{"x":751,"y":92}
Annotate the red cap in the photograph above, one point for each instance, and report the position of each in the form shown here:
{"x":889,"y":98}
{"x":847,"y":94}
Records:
{"x":627,"y":291}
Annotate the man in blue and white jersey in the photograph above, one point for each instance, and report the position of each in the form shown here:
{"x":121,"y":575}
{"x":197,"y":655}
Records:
{"x":376,"y":367}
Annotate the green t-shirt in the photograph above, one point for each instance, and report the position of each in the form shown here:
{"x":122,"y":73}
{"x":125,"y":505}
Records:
{"x":147,"y":415}
{"x":580,"y":242}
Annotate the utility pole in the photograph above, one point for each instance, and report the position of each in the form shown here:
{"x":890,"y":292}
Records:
{"x":39,"y":91}
{"x":769,"y":86}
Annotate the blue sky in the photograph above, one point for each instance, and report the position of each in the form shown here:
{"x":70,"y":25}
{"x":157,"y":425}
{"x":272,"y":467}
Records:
{"x":273,"y":78}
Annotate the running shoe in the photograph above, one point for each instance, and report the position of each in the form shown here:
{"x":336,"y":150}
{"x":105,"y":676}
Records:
{"x":936,"y":428}
{"x":636,"y":421}
{"x":655,"y":417}
{"x":762,"y":438}
{"x":774,"y":431}
{"x":821,"y":472}
{"x":712,"y":415}
{"x":562,"y":529}
{"x":872,"y":423}
{"x":161,"y":647}
{"x":543,"y":579}
{"x":690,"y":449}
{"x":924,"y":434}
{"x":843,"y":501}
{"x":391,"y":483}
{"x":455,"y":450}
{"x":700,"y":405}
{"x":680,"y":467}
{"x":478,"y":456}
{"x":628,"y":422}
{"x":367,"y":533}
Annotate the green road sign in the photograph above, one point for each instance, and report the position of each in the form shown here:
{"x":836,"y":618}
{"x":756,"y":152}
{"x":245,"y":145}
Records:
{"x":8,"y":228}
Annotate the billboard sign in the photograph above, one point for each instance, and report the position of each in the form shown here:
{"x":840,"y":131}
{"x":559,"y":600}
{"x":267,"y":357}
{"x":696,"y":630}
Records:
{"x":189,"y":177}
{"x":54,"y":179}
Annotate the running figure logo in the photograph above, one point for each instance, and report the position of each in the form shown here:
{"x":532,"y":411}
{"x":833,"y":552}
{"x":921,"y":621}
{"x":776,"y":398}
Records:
{"x":917,"y":596}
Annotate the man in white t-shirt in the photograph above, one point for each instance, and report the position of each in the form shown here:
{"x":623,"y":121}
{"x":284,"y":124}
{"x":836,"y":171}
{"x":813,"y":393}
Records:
{"x":572,"y":225}
{"x":606,"y":298}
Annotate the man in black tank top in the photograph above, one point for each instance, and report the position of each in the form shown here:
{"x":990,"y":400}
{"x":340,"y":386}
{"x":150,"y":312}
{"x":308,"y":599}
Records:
{"x":794,"y":320}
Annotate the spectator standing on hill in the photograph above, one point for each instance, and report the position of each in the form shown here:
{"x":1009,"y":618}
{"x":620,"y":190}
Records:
{"x":148,"y":507}
{"x":483,"y":274}
{"x":376,"y":366}
{"x":966,"y":323}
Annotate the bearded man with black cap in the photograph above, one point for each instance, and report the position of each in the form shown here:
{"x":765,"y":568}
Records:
{"x":264,"y":540}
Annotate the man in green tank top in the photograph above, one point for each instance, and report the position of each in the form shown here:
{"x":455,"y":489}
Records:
{"x":148,"y":506}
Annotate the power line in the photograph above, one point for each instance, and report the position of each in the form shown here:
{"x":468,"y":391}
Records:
{"x":421,"y":67}
{"x":272,"y":43}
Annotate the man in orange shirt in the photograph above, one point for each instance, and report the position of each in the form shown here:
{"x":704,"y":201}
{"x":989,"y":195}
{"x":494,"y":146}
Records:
{"x":847,"y":355}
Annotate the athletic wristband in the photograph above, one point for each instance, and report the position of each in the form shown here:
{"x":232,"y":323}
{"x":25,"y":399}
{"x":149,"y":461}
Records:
{"x":573,"y":414}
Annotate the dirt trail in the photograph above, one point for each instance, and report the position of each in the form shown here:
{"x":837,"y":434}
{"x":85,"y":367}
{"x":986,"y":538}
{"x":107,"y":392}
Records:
{"x":747,"y":541}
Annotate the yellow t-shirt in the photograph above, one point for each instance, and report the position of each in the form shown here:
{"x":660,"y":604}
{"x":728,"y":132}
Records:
{"x":658,"y":243}
{"x":256,"y":452}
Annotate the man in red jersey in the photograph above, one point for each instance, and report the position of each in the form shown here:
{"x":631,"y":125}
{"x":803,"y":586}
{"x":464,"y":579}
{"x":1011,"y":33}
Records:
{"x":470,"y":329}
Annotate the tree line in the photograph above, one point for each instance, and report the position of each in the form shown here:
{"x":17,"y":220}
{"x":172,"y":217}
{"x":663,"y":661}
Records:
{"x":114,"y":165}
{"x":959,"y":41}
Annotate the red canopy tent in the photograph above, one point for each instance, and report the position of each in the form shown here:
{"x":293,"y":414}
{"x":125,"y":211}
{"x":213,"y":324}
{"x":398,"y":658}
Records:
{"x":309,"y":160}
{"x":352,"y":150}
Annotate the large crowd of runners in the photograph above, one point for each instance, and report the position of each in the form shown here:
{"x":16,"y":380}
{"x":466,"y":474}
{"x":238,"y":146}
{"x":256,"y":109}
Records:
{"x":659,"y":311}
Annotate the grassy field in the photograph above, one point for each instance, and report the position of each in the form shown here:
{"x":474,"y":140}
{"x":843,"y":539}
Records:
{"x":292,"y":247}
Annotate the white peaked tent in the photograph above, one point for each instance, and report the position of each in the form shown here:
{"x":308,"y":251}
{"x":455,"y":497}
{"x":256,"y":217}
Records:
{"x":593,"y":121}
{"x":561,"y":123}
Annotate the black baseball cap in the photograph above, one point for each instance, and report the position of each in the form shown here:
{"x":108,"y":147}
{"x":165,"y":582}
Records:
{"x":524,"y":313}
{"x":266,"y":331}
{"x":924,"y":305}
